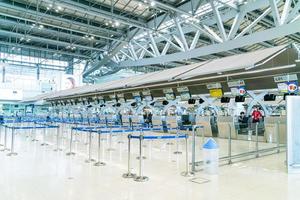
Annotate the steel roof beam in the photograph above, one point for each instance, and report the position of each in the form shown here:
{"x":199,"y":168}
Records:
{"x":78,"y":7}
{"x":46,"y":40}
{"x":45,"y":50}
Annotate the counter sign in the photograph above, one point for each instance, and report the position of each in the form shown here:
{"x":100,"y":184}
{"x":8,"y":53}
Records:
{"x":292,"y":86}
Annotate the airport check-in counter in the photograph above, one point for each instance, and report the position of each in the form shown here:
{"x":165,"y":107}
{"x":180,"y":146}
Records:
{"x":271,"y":124}
{"x":126,"y":120}
{"x":171,"y":121}
{"x":156,"y":121}
{"x":205,"y":122}
{"x":225,"y":125}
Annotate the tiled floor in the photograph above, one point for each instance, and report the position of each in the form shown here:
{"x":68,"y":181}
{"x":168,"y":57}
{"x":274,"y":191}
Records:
{"x":39,"y":173}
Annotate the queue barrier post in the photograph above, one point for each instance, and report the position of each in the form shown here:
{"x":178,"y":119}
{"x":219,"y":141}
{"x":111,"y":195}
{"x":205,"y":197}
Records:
{"x":34,"y":134}
{"x":90,"y":159}
{"x":141,"y":177}
{"x":5,"y":140}
{"x":99,"y":162}
{"x":71,"y":153}
{"x":129,"y":174}
{"x":57,"y":140}
{"x":256,"y":142}
{"x":44,"y":137}
{"x":12,"y":147}
{"x":110,"y":148}
{"x":187,"y":172}
{"x":1,"y":135}
{"x":277,"y":137}
{"x":229,"y":145}
{"x":177,"y":143}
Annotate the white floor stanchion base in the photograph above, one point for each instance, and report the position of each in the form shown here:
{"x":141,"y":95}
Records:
{"x":100,"y":164}
{"x":44,"y":144}
{"x":5,"y":149}
{"x":110,"y":149}
{"x":177,"y":152}
{"x":70,"y":154}
{"x":34,"y":140}
{"x":90,"y":160}
{"x":12,"y":154}
{"x":170,"y":143}
{"x":143,"y":157}
{"x":188,"y":174}
{"x":129,"y":175}
{"x":57,"y":150}
{"x":141,"y":178}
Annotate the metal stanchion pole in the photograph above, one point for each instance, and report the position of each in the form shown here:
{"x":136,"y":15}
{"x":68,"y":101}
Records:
{"x":71,"y":153}
{"x":34,"y":134}
{"x":229,"y":146}
{"x":143,"y":157}
{"x":129,"y":174}
{"x":187,"y":172}
{"x":1,"y":135}
{"x":177,"y":143}
{"x":110,"y":141}
{"x":44,"y":138}
{"x":12,"y":147}
{"x":5,"y":140}
{"x":57,"y":140}
{"x":278,"y":137}
{"x":99,"y":162}
{"x":90,"y":149}
{"x":140,"y":177}
{"x":256,"y":144}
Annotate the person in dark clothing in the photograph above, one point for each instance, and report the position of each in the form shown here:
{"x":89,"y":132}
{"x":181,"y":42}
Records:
{"x":243,"y":120}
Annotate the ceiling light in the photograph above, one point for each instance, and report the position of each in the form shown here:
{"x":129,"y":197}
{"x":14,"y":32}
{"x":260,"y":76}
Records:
{"x":106,"y":24}
{"x":56,"y":10}
{"x":22,"y":38}
{"x":92,"y":37}
{"x":48,"y":8}
{"x":117,"y":23}
{"x":59,"y":7}
{"x":140,"y":4}
{"x":50,"y":5}
{"x":152,"y":3}
{"x":28,"y":40}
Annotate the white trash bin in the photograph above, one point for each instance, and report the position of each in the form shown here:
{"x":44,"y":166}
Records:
{"x":211,"y":156}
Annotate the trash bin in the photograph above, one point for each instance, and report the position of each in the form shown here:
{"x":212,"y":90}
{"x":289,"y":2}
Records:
{"x":211,"y":156}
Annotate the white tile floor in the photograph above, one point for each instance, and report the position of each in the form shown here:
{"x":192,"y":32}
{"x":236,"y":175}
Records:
{"x":39,"y":173}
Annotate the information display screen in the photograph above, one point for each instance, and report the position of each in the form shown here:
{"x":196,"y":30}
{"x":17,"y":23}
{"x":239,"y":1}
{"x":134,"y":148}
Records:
{"x":170,"y":96}
{"x":184,"y":96}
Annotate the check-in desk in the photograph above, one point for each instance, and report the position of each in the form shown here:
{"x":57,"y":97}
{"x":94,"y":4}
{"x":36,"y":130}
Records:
{"x":171,"y":122}
{"x":271,"y":124}
{"x":156,"y":121}
{"x":205,"y":122}
{"x":225,"y":126}
{"x":126,"y":120}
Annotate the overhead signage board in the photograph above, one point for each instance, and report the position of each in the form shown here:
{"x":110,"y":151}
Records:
{"x":168,"y":91}
{"x":292,"y":86}
{"x":282,"y":87}
{"x":236,"y":83}
{"x":286,"y":78}
{"x":213,"y":86}
{"x":135,"y":94}
{"x":183,"y":89}
{"x":217,"y":93}
{"x":238,"y":91}
{"x":146,"y":93}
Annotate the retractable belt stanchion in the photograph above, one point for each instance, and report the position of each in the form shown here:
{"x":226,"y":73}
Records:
{"x":139,"y":157}
{"x":44,"y":138}
{"x":277,"y":137}
{"x":34,"y":133}
{"x":129,"y":174}
{"x":57,"y":139}
{"x":110,"y":141}
{"x":177,"y":144}
{"x":1,"y":128}
{"x":5,"y":140}
{"x":140,"y":177}
{"x":71,"y":153}
{"x":256,"y":143}
{"x":12,"y":147}
{"x":90,"y":149}
{"x":187,"y":172}
{"x":229,"y":146}
{"x":99,"y":162}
